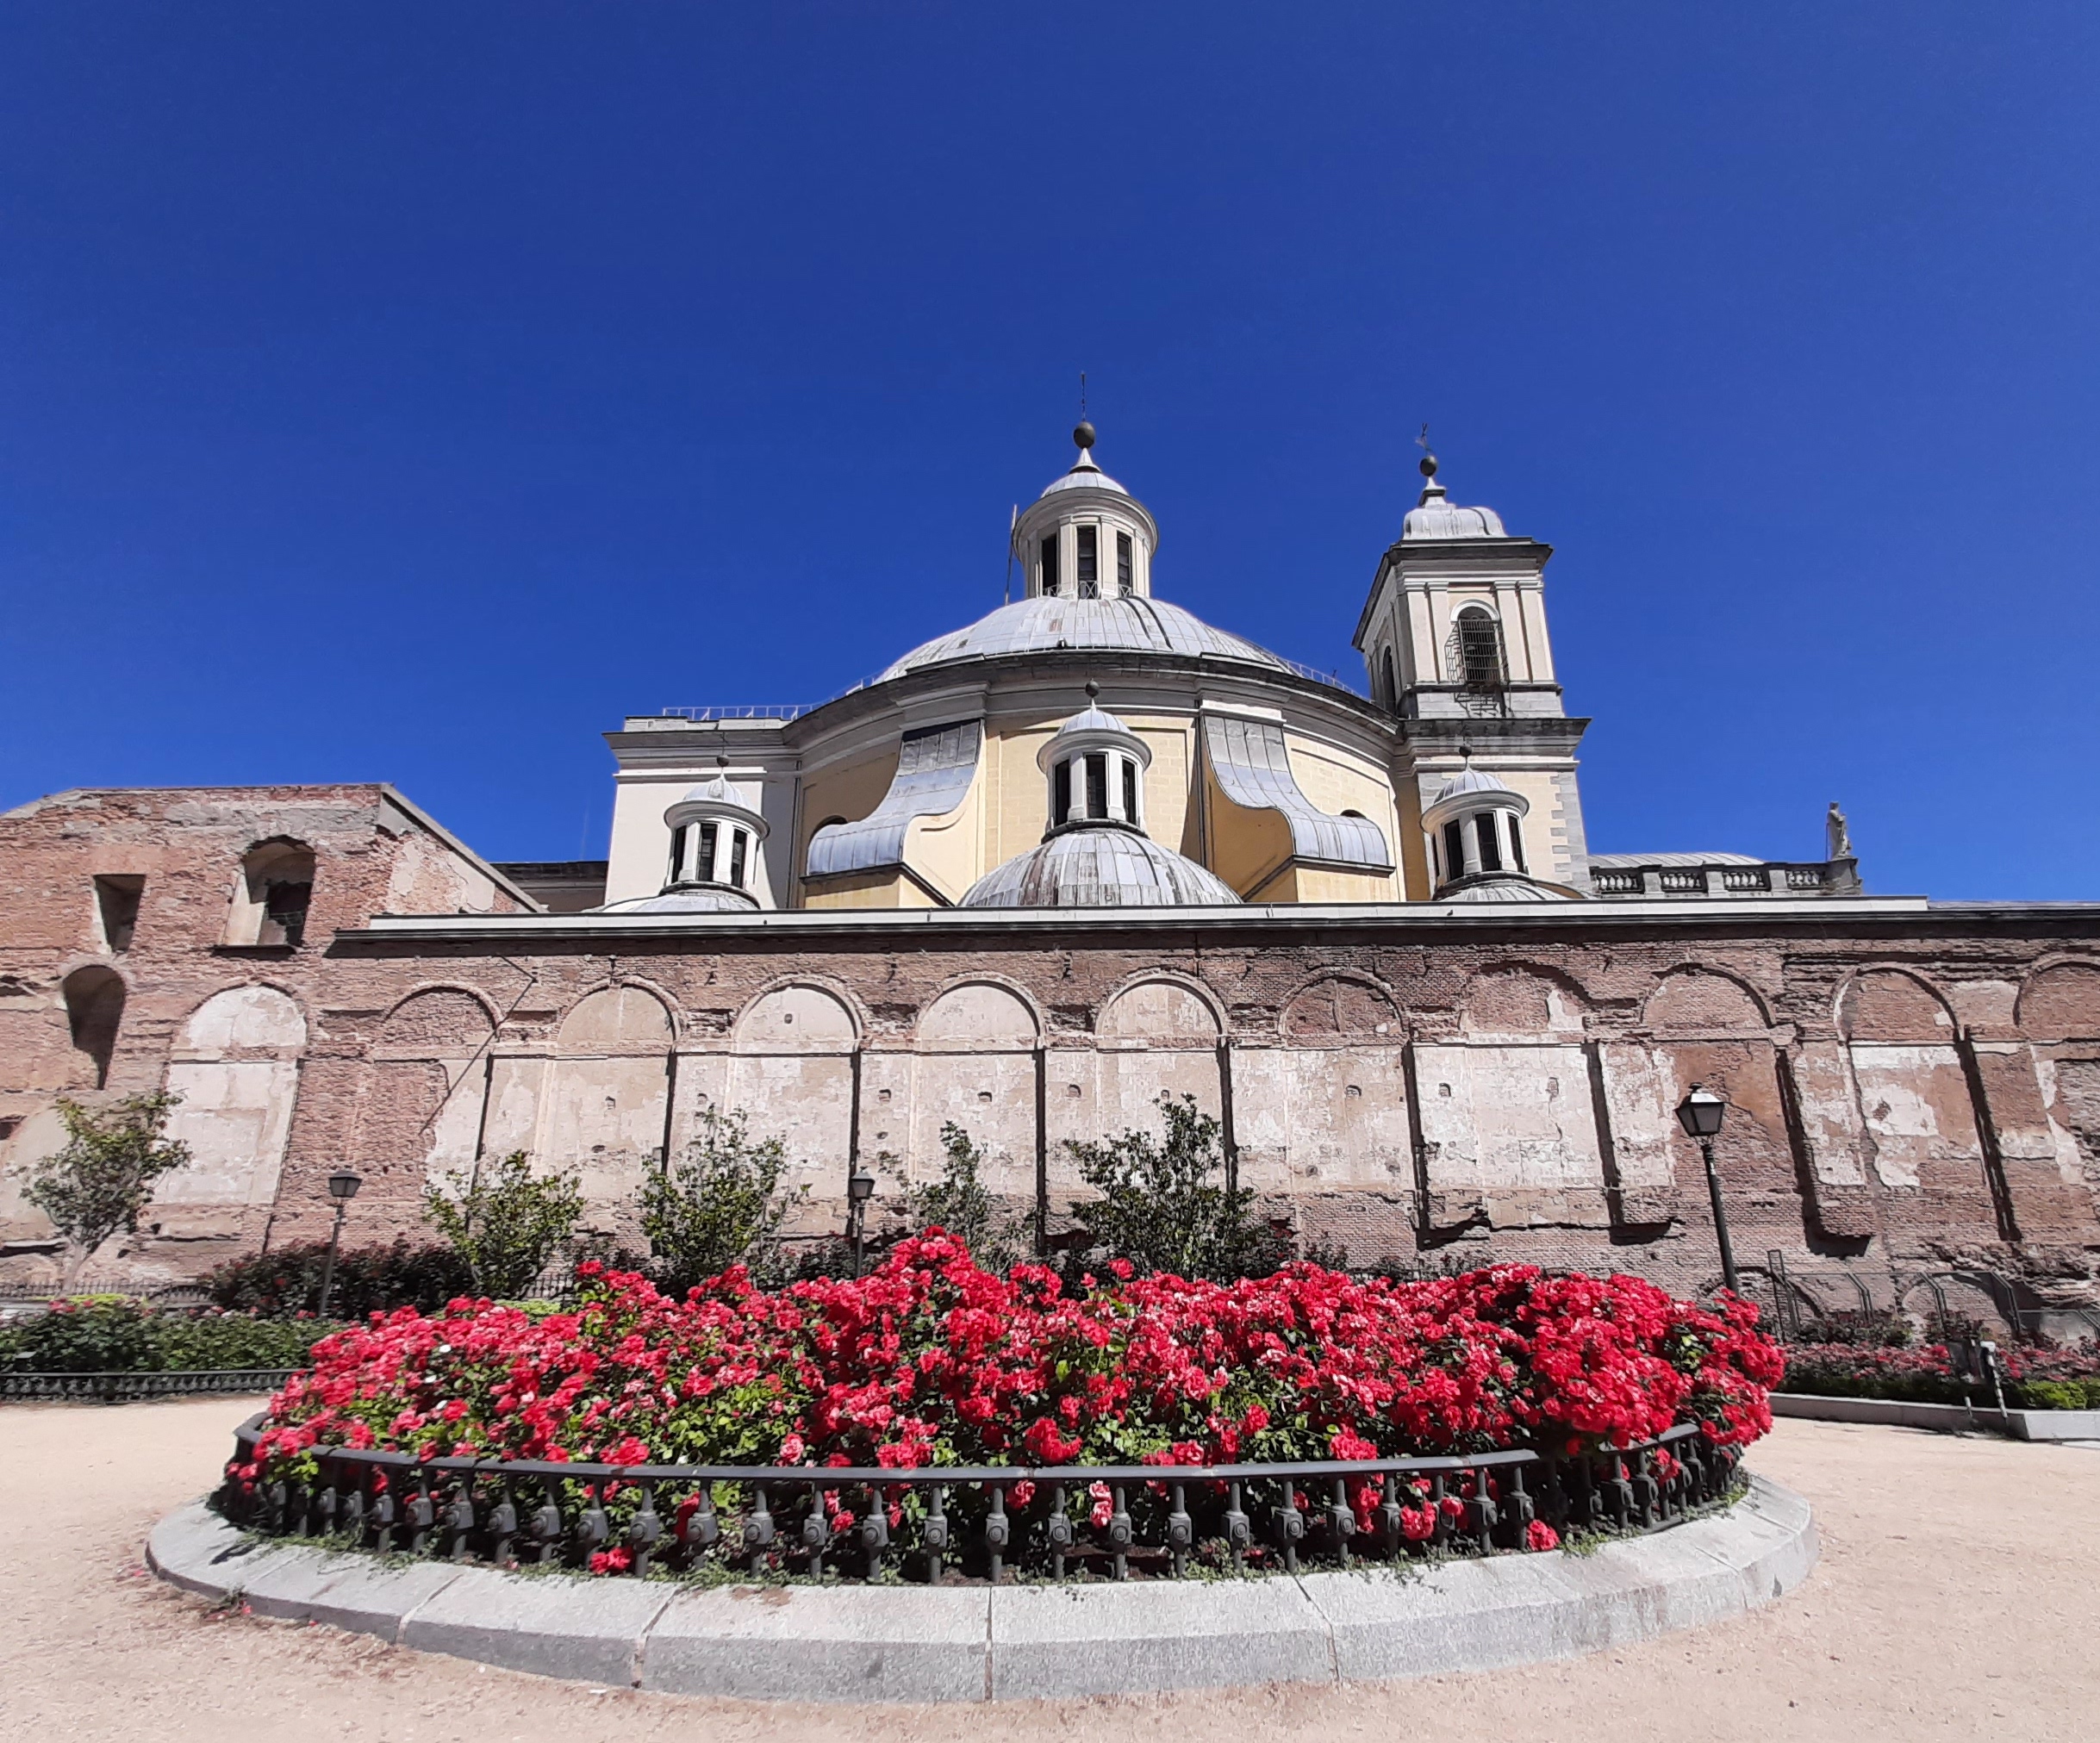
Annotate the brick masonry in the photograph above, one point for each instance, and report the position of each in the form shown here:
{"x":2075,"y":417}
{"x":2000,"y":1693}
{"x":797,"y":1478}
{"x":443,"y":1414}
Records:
{"x":1915,"y":1092}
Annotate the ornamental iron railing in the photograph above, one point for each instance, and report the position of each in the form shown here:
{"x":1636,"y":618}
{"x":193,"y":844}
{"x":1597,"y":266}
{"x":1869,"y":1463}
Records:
{"x":944,"y":1523}
{"x":122,"y":1388}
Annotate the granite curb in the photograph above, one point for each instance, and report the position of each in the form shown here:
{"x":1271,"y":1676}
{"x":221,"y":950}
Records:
{"x":1945,"y":1419}
{"x":856,"y":1643}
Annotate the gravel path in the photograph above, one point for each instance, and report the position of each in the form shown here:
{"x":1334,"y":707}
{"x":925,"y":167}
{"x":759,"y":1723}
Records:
{"x":1959,"y":1595}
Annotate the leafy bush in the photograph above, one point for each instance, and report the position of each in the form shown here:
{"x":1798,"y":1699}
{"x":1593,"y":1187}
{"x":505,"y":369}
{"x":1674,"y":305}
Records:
{"x":106,"y":1334}
{"x":1159,"y":1207}
{"x":103,"y":1177}
{"x":959,"y":1202}
{"x":368,"y":1280}
{"x":721,"y":1205}
{"x":505,"y":1221}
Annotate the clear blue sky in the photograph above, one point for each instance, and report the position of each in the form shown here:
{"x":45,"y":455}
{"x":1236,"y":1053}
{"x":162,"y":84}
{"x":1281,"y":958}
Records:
{"x":409,"y":392}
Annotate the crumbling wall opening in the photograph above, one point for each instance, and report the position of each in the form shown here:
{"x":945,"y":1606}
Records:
{"x":94,"y":1010}
{"x":273,"y":895}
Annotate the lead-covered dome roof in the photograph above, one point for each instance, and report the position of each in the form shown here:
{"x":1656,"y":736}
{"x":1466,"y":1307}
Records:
{"x":1048,"y":622}
{"x":1100,"y":868}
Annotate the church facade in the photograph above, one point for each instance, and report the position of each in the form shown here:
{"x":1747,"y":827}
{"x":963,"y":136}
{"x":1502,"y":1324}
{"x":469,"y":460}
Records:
{"x":1083,"y":852}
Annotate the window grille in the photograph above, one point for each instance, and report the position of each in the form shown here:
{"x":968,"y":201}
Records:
{"x":1479,"y":651}
{"x":1123,"y":563}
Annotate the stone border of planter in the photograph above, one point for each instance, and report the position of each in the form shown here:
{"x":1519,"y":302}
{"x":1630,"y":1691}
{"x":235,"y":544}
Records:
{"x":1944,"y":1419}
{"x":1010,"y":1642}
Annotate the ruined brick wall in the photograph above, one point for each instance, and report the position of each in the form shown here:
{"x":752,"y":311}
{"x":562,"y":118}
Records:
{"x":1911,"y":1094}
{"x":227,"y":1025}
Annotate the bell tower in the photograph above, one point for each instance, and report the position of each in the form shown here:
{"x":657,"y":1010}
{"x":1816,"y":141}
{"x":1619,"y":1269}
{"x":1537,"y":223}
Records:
{"x":1455,"y":648}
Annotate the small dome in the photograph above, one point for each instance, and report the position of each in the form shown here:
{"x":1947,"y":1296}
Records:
{"x":1084,"y":476}
{"x":1434,"y":517}
{"x":712,"y":899}
{"x":1100,"y":868}
{"x":1470,"y":779}
{"x":1503,"y":886}
{"x":719,"y":789}
{"x":1093,"y":718}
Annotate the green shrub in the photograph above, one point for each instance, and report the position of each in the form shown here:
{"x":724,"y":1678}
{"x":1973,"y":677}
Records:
{"x":721,"y":1204}
{"x":505,"y":1221}
{"x":105,"y":1334}
{"x":2055,"y":1395}
{"x":368,"y":1280}
{"x":1159,"y":1207}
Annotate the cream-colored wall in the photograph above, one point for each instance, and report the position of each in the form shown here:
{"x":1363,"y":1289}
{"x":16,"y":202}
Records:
{"x":947,"y":851}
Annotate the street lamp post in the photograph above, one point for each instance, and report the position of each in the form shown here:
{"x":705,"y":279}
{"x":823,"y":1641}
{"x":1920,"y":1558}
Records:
{"x":860,"y":1187}
{"x":342,"y":1187}
{"x":1700,"y":1114}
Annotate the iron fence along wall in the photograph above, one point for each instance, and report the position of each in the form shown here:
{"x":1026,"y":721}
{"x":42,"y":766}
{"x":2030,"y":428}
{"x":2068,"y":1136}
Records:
{"x":931,"y":1524}
{"x":119,"y":1387}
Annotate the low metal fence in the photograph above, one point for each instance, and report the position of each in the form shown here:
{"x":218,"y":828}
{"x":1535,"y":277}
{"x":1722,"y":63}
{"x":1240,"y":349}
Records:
{"x":18,"y":1387}
{"x":1112,"y":1521}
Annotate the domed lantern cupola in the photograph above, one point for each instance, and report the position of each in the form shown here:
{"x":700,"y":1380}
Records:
{"x":1476,"y":827}
{"x":1086,"y":537}
{"x":1096,"y":766}
{"x":713,"y":865}
{"x":1095,"y":854}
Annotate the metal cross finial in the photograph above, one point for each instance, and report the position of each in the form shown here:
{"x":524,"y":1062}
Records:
{"x":1422,"y":441}
{"x":1082,"y":396}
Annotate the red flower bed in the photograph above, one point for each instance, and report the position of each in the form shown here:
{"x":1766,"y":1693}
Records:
{"x":931,"y":1361}
{"x":2034,"y":1378}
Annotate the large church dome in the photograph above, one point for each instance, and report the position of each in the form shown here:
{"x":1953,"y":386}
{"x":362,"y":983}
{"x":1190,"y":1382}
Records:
{"x":1046,"y":622}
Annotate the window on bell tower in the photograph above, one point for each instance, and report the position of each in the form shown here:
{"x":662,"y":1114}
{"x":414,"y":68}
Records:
{"x":1089,"y":568}
{"x":1122,"y":563}
{"x":1479,"y":650}
{"x":1050,"y":565}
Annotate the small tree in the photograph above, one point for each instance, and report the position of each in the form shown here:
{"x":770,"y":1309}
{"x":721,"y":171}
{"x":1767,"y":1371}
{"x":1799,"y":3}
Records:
{"x":722,"y":1203}
{"x":506,"y":1221}
{"x":104,"y":1176}
{"x":1158,"y":1207}
{"x":962,"y":1204}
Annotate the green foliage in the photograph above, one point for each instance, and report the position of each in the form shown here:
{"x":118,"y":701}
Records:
{"x":962,"y":1204}
{"x":1160,"y":1206}
{"x":368,"y":1280}
{"x":103,"y":1176}
{"x":505,"y":1221}
{"x":2053,"y":1395}
{"x":113,"y":1333}
{"x":723,"y":1203}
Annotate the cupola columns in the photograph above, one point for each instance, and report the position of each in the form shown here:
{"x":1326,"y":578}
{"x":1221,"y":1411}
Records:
{"x":1086,"y":537}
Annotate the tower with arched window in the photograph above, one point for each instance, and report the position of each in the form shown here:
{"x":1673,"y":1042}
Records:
{"x":1455,"y":649}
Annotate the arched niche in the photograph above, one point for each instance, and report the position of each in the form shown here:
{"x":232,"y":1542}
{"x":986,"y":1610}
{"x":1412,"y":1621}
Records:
{"x":1327,"y":1111}
{"x":2061,"y":1003}
{"x":977,"y":1017}
{"x":975,"y":1067}
{"x":1913,"y":1089}
{"x":244,"y":1019}
{"x":94,"y":999}
{"x":1695,"y":1001}
{"x":796,"y":1019}
{"x":1521,"y":1004}
{"x":426,"y":1078}
{"x":235,"y":1065}
{"x":272,"y":895}
{"x":1160,"y":1013}
{"x":1338,"y":1008}
{"x":609,"y":1103}
{"x":791,"y":1074}
{"x":616,"y":1020}
{"x":1887,"y":1004}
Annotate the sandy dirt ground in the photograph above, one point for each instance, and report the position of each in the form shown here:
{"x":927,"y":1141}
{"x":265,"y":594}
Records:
{"x":1958,"y":1596}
